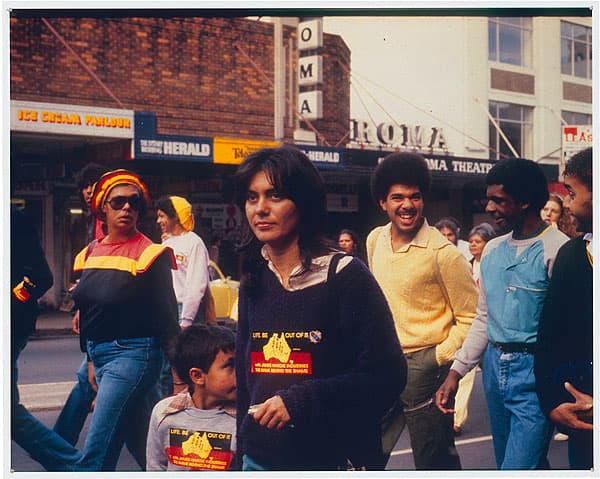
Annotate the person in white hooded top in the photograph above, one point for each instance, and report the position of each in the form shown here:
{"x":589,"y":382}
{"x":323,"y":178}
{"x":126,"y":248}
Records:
{"x":190,"y":279}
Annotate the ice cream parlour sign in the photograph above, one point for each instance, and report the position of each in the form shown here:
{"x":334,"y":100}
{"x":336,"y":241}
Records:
{"x":39,"y":117}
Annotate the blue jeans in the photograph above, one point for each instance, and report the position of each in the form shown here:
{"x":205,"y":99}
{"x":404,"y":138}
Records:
{"x":166,"y":378}
{"x":42,"y":444}
{"x":76,"y":409}
{"x":127,"y":372}
{"x":521,"y":432}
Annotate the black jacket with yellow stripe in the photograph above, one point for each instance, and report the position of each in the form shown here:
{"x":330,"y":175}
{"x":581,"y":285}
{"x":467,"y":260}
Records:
{"x":125,"y":290}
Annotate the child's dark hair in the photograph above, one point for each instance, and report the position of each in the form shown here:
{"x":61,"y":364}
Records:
{"x":400,"y":168}
{"x":522,"y":179}
{"x":165,"y":204}
{"x":197,"y":346}
{"x":580,"y":166}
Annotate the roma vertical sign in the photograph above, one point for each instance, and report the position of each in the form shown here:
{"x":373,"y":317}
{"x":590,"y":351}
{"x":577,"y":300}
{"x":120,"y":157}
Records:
{"x":310,"y":69}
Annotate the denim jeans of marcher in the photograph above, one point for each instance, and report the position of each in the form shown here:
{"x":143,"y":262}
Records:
{"x":127,"y":372}
{"x":521,"y":432}
{"x":76,"y":409}
{"x":41,"y":442}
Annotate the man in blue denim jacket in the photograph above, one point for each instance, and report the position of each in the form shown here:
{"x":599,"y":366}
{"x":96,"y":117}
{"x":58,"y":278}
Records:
{"x":515,"y":272}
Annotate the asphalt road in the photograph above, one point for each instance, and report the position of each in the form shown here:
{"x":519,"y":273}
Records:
{"x":49,"y":360}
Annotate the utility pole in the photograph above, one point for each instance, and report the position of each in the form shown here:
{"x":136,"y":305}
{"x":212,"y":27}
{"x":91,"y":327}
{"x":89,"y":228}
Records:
{"x":279,"y":80}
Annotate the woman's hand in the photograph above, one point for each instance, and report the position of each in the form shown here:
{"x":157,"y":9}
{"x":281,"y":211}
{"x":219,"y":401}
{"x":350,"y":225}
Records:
{"x":272,"y":414}
{"x":75,"y":322}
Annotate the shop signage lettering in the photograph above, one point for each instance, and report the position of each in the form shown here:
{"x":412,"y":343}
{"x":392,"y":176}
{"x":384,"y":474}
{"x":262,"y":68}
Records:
{"x":109,"y":122}
{"x":436,"y":163}
{"x":232,"y":151}
{"x":322,"y":155}
{"x":71,"y":119}
{"x":148,"y":144}
{"x":173,"y":148}
{"x":310,"y":69}
{"x":398,"y":135}
{"x":241,"y":152}
{"x":186,"y":149}
{"x":574,"y":138}
{"x":471,"y":167}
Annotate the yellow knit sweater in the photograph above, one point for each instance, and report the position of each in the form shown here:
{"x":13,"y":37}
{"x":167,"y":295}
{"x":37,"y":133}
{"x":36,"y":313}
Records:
{"x":425,"y":315}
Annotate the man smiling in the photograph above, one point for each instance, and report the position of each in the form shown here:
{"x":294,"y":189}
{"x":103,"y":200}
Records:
{"x":515,"y":272}
{"x":431,"y":293}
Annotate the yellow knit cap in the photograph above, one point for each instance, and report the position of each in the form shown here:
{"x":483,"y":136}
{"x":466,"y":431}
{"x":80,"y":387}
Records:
{"x":184,"y":212}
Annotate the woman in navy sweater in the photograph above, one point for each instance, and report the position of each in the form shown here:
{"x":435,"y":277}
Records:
{"x":318,"y":361}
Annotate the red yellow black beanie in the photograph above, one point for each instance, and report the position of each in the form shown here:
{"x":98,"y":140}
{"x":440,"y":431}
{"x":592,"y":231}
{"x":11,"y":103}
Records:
{"x":111,"y":179}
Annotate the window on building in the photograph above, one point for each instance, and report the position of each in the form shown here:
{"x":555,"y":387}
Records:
{"x":574,"y":118}
{"x":576,"y":50}
{"x":516,"y":124}
{"x":509,"y":40}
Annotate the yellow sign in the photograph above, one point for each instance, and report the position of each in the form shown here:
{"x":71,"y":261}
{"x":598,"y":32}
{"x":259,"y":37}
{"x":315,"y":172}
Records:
{"x":231,"y":151}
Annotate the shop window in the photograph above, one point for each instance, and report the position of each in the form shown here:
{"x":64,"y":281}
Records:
{"x":515,"y":122}
{"x":574,"y":118}
{"x":509,"y":40}
{"x":576,"y":50}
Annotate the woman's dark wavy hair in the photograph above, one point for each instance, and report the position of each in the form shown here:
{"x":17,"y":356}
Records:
{"x":294,"y":177}
{"x":522,"y":179}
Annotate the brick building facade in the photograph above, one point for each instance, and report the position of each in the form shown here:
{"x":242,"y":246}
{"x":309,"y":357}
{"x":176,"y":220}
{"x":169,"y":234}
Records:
{"x":199,"y":76}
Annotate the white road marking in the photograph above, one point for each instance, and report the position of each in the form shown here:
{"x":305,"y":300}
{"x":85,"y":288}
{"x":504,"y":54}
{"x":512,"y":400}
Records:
{"x":458,"y":443}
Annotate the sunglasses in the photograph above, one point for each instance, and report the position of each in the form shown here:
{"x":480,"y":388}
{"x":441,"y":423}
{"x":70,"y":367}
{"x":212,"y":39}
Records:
{"x":117,"y":202}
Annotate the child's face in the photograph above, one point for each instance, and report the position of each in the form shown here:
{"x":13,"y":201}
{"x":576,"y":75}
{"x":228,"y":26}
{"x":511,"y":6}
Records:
{"x":219,"y":381}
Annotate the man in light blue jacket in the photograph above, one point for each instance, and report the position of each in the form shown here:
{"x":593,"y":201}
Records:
{"x":515,"y":272}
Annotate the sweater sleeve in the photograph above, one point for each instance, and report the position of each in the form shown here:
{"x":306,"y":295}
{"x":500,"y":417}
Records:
{"x":156,"y":459}
{"x":373,"y":360}
{"x":473,"y":347}
{"x":550,"y":339}
{"x":163,"y":304}
{"x":196,"y":280}
{"x":462,"y":295}
{"x":243,"y":397}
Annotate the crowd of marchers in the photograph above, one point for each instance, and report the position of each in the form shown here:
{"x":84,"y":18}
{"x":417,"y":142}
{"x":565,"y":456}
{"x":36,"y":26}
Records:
{"x":338,"y":347}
